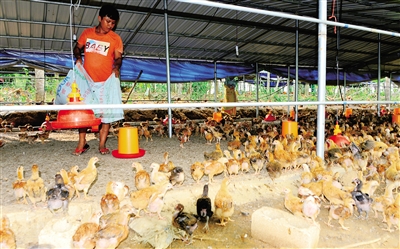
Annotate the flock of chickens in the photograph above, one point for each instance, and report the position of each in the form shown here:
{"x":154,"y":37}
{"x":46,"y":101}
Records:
{"x":370,"y":160}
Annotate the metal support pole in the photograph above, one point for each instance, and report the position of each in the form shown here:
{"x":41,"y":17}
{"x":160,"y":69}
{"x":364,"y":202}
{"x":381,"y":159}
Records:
{"x":215,"y":84}
{"x":296,"y":88}
{"x":257,"y":88}
{"x":390,"y":90}
{"x":322,"y":37}
{"x":378,"y":86}
{"x":167,"y":66}
{"x":288,"y":89}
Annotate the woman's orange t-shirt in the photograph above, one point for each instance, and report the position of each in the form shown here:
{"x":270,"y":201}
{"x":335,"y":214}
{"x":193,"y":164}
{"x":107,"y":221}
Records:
{"x":99,"y":53}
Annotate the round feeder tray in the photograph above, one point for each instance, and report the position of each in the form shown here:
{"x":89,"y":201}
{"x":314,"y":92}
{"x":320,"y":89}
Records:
{"x":339,"y":140}
{"x":116,"y":154}
{"x":70,"y":119}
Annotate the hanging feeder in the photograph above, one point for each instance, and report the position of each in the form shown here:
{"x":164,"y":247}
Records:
{"x":217,"y":116}
{"x":337,"y":138}
{"x":74,"y":119}
{"x":348,"y":112}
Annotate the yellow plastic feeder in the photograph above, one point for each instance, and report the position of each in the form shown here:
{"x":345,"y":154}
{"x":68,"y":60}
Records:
{"x":396,"y":111}
{"x":289,"y":127}
{"x":128,"y":144}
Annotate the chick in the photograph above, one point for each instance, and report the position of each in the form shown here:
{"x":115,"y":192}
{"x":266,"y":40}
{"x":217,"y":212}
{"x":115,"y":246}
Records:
{"x":109,"y":203}
{"x":84,"y":236}
{"x":156,"y":176}
{"x":140,"y":199}
{"x":362,"y":200}
{"x":142,"y":177}
{"x":114,"y":228}
{"x":68,"y":184}
{"x":118,"y":188}
{"x":156,"y":201}
{"x":223,"y":203}
{"x":311,"y":207}
{"x":197,"y":171}
{"x":7,"y":236}
{"x":167,"y":165}
{"x":293,"y":203}
{"x":392,"y":214}
{"x":35,"y":187}
{"x":57,"y":196}
{"x":341,"y":212}
{"x":86,"y":177}
{"x":177,"y":176}
{"x":203,"y":207}
{"x":19,"y":185}
{"x":214,"y":155}
{"x":212,"y":168}
{"x":184,"y":221}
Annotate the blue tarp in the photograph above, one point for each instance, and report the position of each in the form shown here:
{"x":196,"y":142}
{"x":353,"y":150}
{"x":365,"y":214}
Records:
{"x":154,"y":70}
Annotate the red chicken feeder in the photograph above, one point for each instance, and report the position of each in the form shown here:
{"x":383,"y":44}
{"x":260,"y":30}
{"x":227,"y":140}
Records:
{"x":74,"y":119}
{"x":339,"y":140}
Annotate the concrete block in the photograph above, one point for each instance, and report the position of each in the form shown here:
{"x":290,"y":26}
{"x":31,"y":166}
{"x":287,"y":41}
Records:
{"x":282,"y":229}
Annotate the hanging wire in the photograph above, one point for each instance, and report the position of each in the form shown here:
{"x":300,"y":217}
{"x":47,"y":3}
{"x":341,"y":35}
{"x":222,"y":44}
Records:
{"x":72,"y":32}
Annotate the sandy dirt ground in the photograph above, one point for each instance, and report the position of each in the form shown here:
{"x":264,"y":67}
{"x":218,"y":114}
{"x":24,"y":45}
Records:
{"x":250,"y":192}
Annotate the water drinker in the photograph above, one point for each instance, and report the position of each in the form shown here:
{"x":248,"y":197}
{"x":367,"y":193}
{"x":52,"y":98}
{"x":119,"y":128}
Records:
{"x":74,"y":119}
{"x":337,"y":138}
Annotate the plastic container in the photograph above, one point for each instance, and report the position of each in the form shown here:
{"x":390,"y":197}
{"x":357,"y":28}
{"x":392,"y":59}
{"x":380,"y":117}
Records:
{"x":289,"y":127}
{"x":217,"y":116}
{"x":348,"y":112}
{"x":74,"y":119}
{"x":128,"y":144}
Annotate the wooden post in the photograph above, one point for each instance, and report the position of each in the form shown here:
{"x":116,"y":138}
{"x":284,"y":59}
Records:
{"x":39,"y":84}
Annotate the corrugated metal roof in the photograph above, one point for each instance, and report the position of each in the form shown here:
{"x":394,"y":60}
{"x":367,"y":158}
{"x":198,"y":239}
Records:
{"x":207,"y":33}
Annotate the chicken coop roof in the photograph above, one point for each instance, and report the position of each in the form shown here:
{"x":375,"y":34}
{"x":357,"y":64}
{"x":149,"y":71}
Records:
{"x":202,"y":33}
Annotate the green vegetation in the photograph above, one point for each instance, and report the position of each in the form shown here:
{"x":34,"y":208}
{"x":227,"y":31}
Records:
{"x":19,"y":88}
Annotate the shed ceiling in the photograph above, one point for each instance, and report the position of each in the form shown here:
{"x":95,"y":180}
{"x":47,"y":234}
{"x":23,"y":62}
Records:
{"x":207,"y":33}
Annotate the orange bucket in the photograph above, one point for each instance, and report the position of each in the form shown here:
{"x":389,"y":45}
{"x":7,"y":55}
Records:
{"x":396,"y":111}
{"x":289,"y":127}
{"x":396,"y":119}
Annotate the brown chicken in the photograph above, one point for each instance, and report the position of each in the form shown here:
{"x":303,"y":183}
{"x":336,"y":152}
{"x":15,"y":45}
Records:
{"x":156,"y":176}
{"x":84,"y":236}
{"x":142,"y":177}
{"x":140,"y":199}
{"x":35,"y":187}
{"x":223,"y":203}
{"x":197,"y":171}
{"x":208,"y":136}
{"x":19,"y":186}
{"x":7,"y":236}
{"x":118,"y":188}
{"x":177,"y":176}
{"x":215,"y":167}
{"x":341,"y":212}
{"x":214,"y":155}
{"x":182,"y":138}
{"x":114,"y":228}
{"x":184,"y":221}
{"x":235,"y":144}
{"x":293,"y":203}
{"x":109,"y":203}
{"x":167,"y":165}
{"x":86,"y":177}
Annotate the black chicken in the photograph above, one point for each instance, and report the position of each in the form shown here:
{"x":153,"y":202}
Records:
{"x":203,"y":206}
{"x":184,"y":221}
{"x":57,"y":197}
{"x":362,"y":200}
